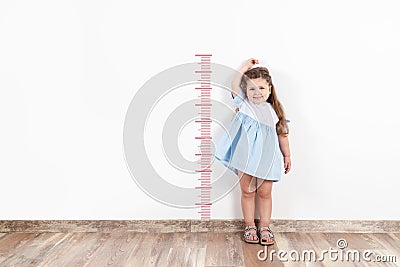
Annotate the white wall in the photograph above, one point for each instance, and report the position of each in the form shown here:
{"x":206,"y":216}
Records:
{"x":69,"y":69}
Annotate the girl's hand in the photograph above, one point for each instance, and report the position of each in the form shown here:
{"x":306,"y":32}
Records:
{"x":287,"y":163}
{"x":249,"y":64}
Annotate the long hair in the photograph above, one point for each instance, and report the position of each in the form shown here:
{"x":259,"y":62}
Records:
{"x":262,"y":72}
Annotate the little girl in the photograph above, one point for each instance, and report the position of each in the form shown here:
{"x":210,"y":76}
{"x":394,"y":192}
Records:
{"x":255,"y":145}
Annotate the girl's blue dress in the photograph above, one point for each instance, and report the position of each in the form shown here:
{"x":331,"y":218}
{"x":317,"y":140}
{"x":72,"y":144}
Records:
{"x":251,"y":143}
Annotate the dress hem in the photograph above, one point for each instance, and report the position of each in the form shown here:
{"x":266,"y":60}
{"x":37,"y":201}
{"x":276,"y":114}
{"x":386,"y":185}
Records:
{"x":235,"y":170}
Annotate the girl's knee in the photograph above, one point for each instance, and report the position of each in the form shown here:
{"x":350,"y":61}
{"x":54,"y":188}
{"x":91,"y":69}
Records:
{"x":265,"y":194}
{"x":245,"y":181}
{"x":247,"y":193}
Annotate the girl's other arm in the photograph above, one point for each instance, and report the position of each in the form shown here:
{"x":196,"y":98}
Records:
{"x":284,"y":146}
{"x":238,"y":76}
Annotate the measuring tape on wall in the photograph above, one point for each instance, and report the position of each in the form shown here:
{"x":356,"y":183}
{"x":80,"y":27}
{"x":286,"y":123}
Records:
{"x":205,"y":138}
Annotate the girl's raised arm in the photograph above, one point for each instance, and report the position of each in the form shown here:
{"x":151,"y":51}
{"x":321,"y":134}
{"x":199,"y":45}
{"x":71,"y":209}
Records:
{"x":238,"y":76}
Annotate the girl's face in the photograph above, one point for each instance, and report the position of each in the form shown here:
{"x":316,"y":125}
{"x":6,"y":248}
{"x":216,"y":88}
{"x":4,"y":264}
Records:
{"x":258,"y":90}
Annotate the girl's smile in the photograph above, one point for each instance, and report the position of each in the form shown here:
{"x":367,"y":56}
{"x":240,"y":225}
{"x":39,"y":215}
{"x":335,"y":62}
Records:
{"x":258,"y":90}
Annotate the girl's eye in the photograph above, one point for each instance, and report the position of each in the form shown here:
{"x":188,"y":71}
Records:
{"x":251,"y":89}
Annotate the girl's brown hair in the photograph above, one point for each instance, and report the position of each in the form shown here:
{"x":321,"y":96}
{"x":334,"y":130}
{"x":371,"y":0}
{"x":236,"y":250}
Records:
{"x":262,"y":72}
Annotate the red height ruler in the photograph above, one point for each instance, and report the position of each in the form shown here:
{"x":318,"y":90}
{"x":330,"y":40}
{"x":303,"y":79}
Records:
{"x":205,"y":135}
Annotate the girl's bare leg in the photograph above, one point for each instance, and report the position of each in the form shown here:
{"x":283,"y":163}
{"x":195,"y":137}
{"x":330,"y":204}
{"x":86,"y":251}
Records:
{"x":264,"y":199}
{"x":248,"y":200}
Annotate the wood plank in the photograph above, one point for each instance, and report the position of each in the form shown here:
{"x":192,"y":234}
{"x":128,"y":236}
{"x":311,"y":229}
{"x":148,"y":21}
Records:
{"x":34,"y":250}
{"x":389,"y":241}
{"x":195,"y":257}
{"x":75,"y":249}
{"x":356,"y":243}
{"x":163,"y":244}
{"x":145,"y":251}
{"x":115,"y":250}
{"x":288,"y":242}
{"x":250,"y":254}
{"x":233,"y":246}
{"x":380,"y":245}
{"x":11,"y":243}
{"x":188,"y":249}
{"x":223,"y":249}
{"x":192,"y":240}
{"x":179,"y":256}
{"x":319,"y":243}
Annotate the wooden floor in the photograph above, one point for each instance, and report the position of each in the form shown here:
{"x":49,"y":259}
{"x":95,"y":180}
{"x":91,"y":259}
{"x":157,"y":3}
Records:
{"x":183,"y":249}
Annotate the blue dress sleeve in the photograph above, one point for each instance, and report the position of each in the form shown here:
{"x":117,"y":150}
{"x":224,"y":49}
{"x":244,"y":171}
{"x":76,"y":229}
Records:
{"x":239,"y":98}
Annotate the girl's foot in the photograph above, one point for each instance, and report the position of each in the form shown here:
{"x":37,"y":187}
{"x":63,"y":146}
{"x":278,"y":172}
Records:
{"x":266,"y":236}
{"x":250,"y":234}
